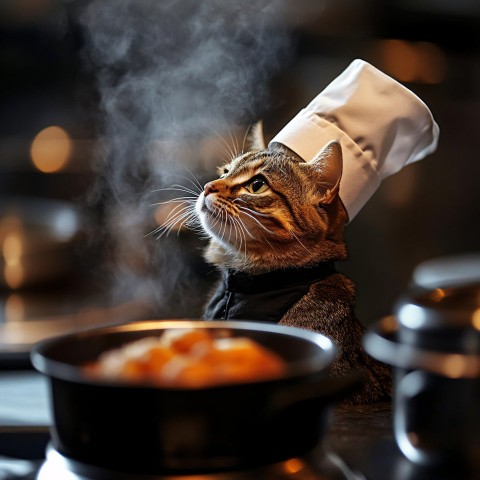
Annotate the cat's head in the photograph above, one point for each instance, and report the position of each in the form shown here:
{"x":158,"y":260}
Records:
{"x":270,"y":209}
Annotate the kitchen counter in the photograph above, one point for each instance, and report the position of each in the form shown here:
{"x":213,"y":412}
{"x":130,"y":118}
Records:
{"x":362,"y":436}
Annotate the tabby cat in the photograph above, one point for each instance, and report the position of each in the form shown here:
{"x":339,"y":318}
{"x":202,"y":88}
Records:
{"x":276,"y":227}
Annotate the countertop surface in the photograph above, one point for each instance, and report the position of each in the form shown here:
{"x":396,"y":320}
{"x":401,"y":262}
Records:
{"x":362,"y":435}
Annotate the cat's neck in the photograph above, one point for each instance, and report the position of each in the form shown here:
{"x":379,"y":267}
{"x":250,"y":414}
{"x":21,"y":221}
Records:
{"x":267,"y":261}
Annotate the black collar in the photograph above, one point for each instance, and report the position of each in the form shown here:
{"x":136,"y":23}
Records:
{"x":275,"y":279}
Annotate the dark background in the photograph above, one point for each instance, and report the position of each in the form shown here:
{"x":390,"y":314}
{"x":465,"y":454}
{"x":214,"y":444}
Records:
{"x":49,"y":76}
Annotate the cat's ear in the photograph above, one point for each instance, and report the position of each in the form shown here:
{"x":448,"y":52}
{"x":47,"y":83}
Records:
{"x":329,"y":165}
{"x":255,"y":138}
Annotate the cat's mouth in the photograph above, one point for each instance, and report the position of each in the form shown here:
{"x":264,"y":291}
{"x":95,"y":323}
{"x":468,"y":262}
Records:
{"x":217,"y":221}
{"x":205,"y":207}
{"x":215,"y":208}
{"x":211,"y":216}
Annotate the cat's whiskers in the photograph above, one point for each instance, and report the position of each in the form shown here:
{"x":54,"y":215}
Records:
{"x":239,"y":226}
{"x":196,"y":188}
{"x":183,"y":214}
{"x":299,"y":241}
{"x":235,"y":231}
{"x":217,"y":209}
{"x":246,"y":211}
{"x":245,"y":136}
{"x":165,"y":229}
{"x":170,"y":189}
{"x":234,"y":140}
{"x":245,"y":254}
{"x":183,"y":219}
{"x":186,"y":199}
{"x":232,"y":232}
{"x":251,"y":213}
{"x":244,"y":227}
{"x":241,"y":220}
{"x":192,"y":179}
{"x":177,"y":217}
{"x":216,"y":221}
{"x":268,"y":243}
{"x":236,"y":200}
{"x":238,"y":240}
{"x":231,"y":149}
{"x":222,"y":232}
{"x":183,"y":188}
{"x":225,"y":224}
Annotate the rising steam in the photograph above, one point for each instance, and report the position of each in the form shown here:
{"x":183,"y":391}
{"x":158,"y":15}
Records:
{"x":169,"y":73}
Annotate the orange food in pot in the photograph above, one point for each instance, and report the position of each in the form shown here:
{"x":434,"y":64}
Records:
{"x":187,"y":341}
{"x":190,"y":358}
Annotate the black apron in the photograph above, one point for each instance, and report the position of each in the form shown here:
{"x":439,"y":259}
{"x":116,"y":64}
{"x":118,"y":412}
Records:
{"x":264,"y":297}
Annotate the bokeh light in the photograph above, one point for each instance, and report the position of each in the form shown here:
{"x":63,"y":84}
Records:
{"x":51,"y":149}
{"x":418,"y":62}
{"x":14,"y":308}
{"x":12,"y":250}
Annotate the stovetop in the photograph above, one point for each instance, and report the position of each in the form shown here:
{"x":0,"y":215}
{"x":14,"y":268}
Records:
{"x":320,"y":464}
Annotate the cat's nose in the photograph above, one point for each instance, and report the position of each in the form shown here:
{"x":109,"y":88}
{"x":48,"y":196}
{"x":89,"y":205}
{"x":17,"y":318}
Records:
{"x":209,"y":188}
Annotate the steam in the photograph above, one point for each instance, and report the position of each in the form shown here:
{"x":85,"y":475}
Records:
{"x":169,"y":73}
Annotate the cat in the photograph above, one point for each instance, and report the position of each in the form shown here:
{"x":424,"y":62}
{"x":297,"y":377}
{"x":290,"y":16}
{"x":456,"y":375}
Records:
{"x":275,"y":225}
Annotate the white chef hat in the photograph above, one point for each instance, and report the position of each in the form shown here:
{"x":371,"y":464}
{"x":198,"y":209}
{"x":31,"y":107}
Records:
{"x":381,"y":125}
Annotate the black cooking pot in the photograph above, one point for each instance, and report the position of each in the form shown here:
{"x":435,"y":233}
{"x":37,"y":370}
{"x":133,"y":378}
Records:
{"x":434,"y":343}
{"x":147,"y":429}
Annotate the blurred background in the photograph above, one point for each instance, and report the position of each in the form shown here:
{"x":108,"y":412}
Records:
{"x":106,"y":103}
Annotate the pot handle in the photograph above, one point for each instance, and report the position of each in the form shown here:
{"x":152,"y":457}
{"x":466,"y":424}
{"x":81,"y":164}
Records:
{"x":408,"y":389}
{"x":327,"y":390}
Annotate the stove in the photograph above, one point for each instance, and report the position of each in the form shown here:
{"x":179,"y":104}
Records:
{"x":320,"y":464}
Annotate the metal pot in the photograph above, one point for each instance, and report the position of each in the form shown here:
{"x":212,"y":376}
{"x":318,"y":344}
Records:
{"x":434,"y":343}
{"x":148,"y":430}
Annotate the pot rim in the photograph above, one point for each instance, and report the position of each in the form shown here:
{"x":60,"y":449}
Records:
{"x":447,"y":306}
{"x":72,"y":373}
{"x":380,"y":341}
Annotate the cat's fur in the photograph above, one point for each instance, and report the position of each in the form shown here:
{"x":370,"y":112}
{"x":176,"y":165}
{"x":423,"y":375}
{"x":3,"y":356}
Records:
{"x":295,"y":220}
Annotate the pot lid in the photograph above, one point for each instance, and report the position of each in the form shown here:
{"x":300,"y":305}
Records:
{"x":448,"y":271}
{"x":449,"y":307}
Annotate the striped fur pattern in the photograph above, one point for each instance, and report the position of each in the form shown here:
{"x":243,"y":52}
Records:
{"x":270,"y":210}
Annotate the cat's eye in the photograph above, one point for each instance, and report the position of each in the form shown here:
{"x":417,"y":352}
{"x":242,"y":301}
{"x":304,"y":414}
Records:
{"x":257,"y":185}
{"x":224,"y":172}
